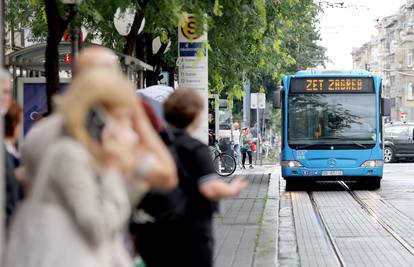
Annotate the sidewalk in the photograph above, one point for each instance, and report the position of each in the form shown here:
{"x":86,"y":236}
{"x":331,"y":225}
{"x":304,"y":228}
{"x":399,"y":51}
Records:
{"x":245,"y":230}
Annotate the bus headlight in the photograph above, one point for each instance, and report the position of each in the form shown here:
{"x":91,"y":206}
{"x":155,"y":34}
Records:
{"x":291,"y":163}
{"x":372,"y":163}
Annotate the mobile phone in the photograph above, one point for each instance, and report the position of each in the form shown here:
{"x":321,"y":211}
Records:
{"x":95,"y":122}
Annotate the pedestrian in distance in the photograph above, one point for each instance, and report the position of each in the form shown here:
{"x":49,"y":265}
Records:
{"x":98,"y":168}
{"x":253,"y":131}
{"x":192,"y":243}
{"x":246,"y":147}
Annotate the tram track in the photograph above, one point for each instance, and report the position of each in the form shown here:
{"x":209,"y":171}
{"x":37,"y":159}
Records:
{"x":377,"y":218}
{"x":335,"y":248}
{"x":373,"y":215}
{"x":336,"y":225}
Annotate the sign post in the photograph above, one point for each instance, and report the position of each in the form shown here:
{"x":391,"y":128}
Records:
{"x":258,"y":101}
{"x":246,"y":101}
{"x":193,"y":65}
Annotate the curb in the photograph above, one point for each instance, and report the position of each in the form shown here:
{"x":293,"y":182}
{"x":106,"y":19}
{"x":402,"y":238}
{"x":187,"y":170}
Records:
{"x":267,"y":245}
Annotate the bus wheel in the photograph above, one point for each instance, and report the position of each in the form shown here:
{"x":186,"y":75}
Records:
{"x":293,"y":185}
{"x":374,"y":183}
{"x":388,"y":154}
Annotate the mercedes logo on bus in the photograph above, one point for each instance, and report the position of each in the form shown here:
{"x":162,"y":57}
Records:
{"x":331,"y":162}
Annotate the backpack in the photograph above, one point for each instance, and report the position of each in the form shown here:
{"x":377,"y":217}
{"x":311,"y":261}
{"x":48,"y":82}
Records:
{"x":164,"y":207}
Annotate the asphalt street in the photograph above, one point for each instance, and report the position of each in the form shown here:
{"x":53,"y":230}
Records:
{"x":343,"y":224}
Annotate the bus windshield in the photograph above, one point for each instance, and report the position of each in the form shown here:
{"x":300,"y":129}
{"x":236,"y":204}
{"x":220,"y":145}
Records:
{"x":347,"y":120}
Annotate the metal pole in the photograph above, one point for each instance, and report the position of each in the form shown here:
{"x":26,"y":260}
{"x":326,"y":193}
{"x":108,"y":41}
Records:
{"x":2,"y":173}
{"x":262,"y":133}
{"x":257,"y":128}
{"x":216,"y":116}
{"x":246,"y":102}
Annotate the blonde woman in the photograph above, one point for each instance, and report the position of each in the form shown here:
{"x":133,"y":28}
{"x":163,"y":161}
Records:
{"x":88,"y":181}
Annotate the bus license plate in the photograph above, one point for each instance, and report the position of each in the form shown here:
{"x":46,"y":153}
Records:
{"x":332,"y":173}
{"x":310,"y":173}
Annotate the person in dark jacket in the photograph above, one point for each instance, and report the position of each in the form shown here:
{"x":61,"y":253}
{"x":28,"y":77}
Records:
{"x":190,"y":240}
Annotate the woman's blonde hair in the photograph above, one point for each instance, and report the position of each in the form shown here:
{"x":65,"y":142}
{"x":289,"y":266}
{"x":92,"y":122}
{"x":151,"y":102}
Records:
{"x":91,"y":88}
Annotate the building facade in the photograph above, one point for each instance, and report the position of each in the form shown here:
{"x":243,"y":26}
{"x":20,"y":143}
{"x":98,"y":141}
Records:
{"x":390,"y":55}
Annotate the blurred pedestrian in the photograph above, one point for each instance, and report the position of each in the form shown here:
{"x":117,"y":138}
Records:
{"x":88,"y":180}
{"x":253,"y":131}
{"x":11,"y":182}
{"x":246,"y":147}
{"x":44,"y":132}
{"x":12,"y":125}
{"x":157,"y":217}
{"x":190,"y":241}
{"x":12,"y":129}
{"x":6,"y":91}
{"x":236,"y":142}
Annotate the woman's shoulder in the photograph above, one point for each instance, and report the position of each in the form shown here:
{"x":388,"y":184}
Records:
{"x":68,"y":147}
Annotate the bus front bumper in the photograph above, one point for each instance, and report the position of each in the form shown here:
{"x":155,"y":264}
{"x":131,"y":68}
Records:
{"x":330,"y":174}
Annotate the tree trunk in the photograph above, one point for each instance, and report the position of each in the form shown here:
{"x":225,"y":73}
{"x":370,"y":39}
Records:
{"x":150,"y":77}
{"x":155,"y":60}
{"x":140,"y":47}
{"x":132,"y":37}
{"x":56,"y":27}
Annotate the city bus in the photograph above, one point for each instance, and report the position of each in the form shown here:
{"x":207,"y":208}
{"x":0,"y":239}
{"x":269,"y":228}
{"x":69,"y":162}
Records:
{"x":332,"y":127}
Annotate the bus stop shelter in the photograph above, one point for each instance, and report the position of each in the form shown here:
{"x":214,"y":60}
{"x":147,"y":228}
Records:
{"x":29,"y":62}
{"x":29,"y":84}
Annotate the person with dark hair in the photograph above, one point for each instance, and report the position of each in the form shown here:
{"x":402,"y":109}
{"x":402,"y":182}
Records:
{"x":12,"y":126}
{"x":191,"y":239}
{"x":12,"y":185}
{"x":158,"y":216}
{"x":12,"y":129}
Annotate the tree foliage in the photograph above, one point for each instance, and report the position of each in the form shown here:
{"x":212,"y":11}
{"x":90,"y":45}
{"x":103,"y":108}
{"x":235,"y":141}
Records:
{"x":260,"y":40}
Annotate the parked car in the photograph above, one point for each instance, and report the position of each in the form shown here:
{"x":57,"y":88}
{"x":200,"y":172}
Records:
{"x":398,"y":141}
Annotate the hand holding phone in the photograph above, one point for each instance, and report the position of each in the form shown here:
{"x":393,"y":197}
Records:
{"x":95,"y":122}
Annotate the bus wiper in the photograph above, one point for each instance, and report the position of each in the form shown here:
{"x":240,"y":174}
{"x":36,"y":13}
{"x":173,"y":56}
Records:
{"x":345,"y":139}
{"x":307,"y":146}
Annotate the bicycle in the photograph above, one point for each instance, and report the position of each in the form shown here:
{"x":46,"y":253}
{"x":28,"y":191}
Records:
{"x":224,"y":164}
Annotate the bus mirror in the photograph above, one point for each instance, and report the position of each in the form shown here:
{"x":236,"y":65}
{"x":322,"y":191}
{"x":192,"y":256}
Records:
{"x":385,"y":107}
{"x":277,"y":98}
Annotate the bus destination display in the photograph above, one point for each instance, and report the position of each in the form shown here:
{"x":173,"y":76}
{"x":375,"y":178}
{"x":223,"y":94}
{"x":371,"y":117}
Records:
{"x":331,"y":85}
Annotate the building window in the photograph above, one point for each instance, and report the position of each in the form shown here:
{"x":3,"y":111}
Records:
{"x":410,"y":91}
{"x":409,"y":59}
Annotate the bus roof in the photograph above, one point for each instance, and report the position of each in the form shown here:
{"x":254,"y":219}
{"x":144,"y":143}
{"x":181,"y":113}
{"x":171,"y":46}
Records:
{"x":334,"y":72}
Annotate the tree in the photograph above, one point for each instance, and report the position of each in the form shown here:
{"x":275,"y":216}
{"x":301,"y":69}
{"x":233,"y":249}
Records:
{"x":48,"y":18}
{"x":57,"y":24}
{"x":260,"y":40}
{"x":161,"y":21}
